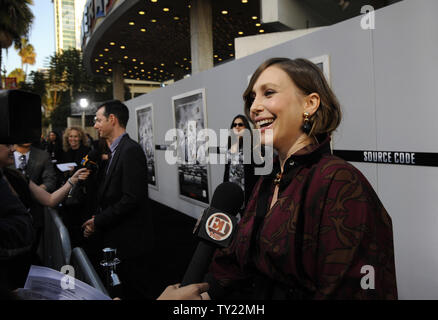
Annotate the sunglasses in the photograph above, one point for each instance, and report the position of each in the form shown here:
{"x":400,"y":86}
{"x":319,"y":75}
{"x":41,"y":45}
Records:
{"x":238,"y":125}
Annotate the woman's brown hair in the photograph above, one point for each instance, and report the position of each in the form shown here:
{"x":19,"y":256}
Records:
{"x":309,"y":79}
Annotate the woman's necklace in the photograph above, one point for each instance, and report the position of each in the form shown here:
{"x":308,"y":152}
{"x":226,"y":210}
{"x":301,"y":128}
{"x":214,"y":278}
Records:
{"x":277,"y":179}
{"x":279,"y":175}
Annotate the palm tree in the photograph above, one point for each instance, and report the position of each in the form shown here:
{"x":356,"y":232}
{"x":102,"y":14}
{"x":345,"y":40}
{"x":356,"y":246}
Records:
{"x":27,"y":53}
{"x":15,"y":21}
{"x":19,"y":74}
{"x":67,"y":81}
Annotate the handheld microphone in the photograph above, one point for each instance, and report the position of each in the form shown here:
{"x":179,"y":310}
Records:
{"x":90,"y":161}
{"x":215,"y":229}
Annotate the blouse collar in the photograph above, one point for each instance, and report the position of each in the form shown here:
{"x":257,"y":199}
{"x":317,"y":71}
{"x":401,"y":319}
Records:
{"x":306,"y":155}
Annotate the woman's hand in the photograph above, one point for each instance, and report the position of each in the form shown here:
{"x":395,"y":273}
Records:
{"x":191,"y":292}
{"x":81,"y":174}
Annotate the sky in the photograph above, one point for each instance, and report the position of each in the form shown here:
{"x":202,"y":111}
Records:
{"x":42,"y":37}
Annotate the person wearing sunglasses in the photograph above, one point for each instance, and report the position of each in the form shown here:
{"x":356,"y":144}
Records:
{"x":239,"y":167}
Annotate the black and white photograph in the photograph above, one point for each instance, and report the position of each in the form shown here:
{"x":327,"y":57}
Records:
{"x":145,"y":130}
{"x":190,"y":120}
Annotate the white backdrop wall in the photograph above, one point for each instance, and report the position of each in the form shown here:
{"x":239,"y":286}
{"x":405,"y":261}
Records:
{"x":386,"y":82}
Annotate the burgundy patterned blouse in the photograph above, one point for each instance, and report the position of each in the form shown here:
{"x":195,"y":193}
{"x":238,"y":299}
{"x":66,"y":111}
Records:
{"x":328,"y":236}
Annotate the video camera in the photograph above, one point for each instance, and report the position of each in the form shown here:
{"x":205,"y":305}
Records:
{"x":20,"y":117}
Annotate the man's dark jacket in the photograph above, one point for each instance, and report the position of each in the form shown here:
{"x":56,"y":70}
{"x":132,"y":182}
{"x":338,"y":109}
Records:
{"x":40,"y":169}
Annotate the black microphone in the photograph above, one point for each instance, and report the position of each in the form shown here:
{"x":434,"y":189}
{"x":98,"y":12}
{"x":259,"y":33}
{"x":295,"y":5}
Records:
{"x":215,"y":229}
{"x":91,"y":162}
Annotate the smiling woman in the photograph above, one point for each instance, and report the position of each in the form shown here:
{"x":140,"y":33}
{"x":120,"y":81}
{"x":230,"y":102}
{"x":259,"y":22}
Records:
{"x":301,"y":84}
{"x":315,"y":223}
{"x":75,"y":145}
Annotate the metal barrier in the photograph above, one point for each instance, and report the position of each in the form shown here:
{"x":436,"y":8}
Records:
{"x":56,"y":241}
{"x":84,"y":270}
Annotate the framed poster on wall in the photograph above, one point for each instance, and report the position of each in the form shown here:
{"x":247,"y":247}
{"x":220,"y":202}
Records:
{"x":189,"y":110}
{"x":145,"y":130}
{"x":323,"y":62}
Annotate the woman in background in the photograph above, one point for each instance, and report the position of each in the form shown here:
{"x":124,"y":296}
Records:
{"x":75,"y":144}
{"x":73,"y":212}
{"x":238,"y":169}
{"x":54,"y":146}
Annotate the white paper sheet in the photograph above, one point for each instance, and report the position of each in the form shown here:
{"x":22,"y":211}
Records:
{"x":43,"y":283}
{"x":63,"y":167}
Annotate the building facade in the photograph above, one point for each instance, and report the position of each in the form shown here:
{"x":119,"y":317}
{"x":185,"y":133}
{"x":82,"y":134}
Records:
{"x":68,"y":19}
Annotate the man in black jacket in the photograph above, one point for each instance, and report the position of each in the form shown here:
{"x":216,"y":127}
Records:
{"x":123,"y":221}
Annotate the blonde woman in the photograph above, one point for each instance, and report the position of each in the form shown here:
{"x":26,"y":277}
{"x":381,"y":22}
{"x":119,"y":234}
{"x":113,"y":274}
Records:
{"x":75,"y":145}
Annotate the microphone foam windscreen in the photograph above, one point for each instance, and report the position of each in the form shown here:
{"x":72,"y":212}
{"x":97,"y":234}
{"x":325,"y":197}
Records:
{"x":228,"y":197}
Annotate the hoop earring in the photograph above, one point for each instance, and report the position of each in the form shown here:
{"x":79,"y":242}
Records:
{"x":306,"y":126}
